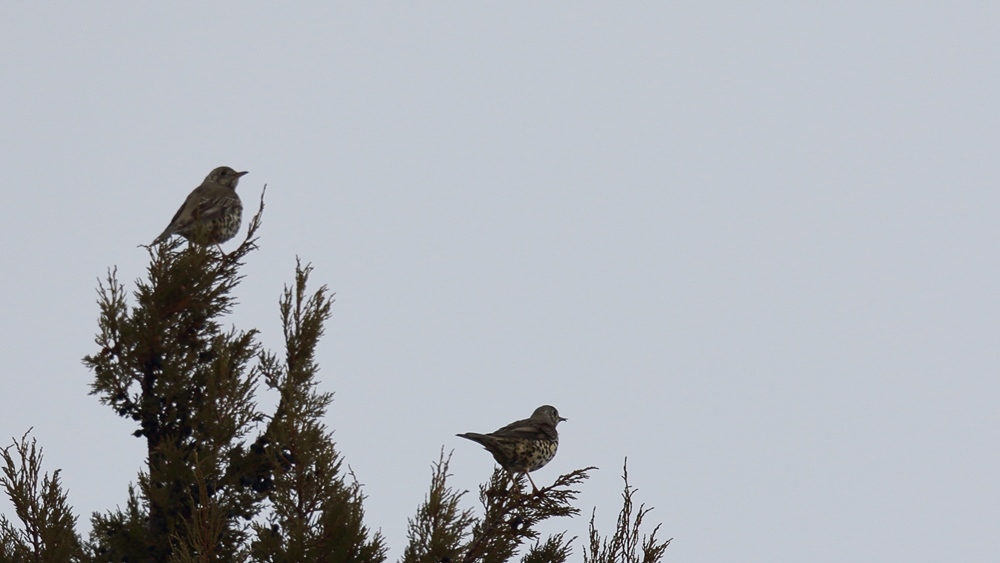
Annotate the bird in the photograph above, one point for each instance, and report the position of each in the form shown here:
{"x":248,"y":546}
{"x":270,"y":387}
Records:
{"x":212,"y":212}
{"x":525,"y":445}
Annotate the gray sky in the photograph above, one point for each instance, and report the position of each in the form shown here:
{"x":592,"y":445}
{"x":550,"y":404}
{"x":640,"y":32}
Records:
{"x":751,"y":248}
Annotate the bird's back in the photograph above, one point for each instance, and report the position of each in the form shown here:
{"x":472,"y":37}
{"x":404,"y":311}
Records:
{"x":528,"y":429}
{"x":525,"y":445}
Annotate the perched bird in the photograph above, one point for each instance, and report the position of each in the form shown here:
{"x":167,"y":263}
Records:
{"x":212,"y":213}
{"x":525,"y":445}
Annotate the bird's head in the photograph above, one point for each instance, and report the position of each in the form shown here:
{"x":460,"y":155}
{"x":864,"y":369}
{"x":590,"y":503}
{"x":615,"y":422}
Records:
{"x":547,"y":413}
{"x":225,"y":176}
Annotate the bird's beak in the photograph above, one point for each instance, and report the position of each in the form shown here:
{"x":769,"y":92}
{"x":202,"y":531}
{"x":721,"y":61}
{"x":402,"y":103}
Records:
{"x":561,"y":419}
{"x":245,"y":172}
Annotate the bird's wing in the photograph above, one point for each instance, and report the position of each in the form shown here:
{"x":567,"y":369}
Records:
{"x":527,"y":429}
{"x":202,"y":205}
{"x":212,"y":206}
{"x":176,"y":219}
{"x":175,"y":223}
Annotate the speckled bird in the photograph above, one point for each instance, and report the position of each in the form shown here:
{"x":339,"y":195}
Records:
{"x":525,"y":445}
{"x":212,"y":213}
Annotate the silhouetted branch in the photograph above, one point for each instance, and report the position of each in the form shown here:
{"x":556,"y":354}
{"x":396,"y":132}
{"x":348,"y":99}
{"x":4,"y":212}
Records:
{"x":510,"y":515}
{"x":623,"y":546}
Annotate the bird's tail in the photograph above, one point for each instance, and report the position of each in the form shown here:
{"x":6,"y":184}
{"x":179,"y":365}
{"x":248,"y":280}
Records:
{"x":163,"y":236}
{"x":481,"y":438}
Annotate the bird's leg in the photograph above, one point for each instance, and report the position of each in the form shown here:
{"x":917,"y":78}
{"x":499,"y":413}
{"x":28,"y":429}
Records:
{"x":513,"y":483}
{"x":534,"y":489}
{"x":225,"y":257}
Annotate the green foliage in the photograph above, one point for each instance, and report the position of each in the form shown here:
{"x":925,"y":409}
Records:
{"x":216,"y":487}
{"x":444,"y":532}
{"x":510,"y":516}
{"x":555,"y":549}
{"x":315,"y":513}
{"x":120,"y":534}
{"x":49,"y":532}
{"x":440,"y":527}
{"x":167,"y":364}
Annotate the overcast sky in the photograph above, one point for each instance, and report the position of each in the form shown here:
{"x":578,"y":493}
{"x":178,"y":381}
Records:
{"x":754,"y":249}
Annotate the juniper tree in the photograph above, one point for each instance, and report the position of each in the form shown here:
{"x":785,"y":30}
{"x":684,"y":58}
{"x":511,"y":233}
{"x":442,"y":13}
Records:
{"x":225,"y":481}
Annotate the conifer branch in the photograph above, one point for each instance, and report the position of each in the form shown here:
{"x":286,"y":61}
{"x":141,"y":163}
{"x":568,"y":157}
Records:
{"x":48,"y":530}
{"x":440,"y":527}
{"x":624,"y":544}
{"x":510,"y":516}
